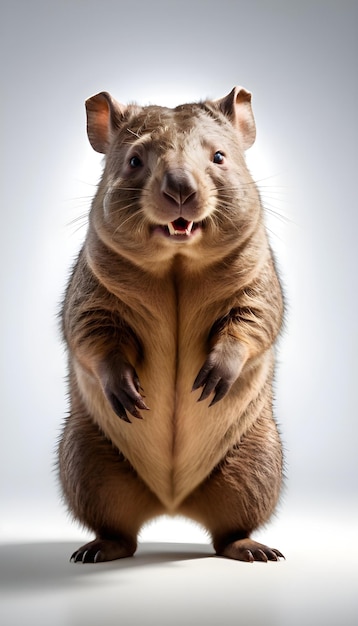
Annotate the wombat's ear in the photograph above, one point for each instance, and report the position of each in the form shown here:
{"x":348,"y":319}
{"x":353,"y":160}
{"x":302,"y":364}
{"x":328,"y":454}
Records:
{"x":104,"y":114}
{"x":237,"y":107}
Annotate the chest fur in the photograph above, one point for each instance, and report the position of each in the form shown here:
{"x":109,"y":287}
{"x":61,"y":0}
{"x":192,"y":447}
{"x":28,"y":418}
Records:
{"x":180,"y":440}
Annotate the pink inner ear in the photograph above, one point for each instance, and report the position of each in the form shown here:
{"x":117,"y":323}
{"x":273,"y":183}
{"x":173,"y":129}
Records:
{"x":244,"y":119}
{"x":104,"y":113}
{"x":100,"y":131}
{"x":97,"y":109}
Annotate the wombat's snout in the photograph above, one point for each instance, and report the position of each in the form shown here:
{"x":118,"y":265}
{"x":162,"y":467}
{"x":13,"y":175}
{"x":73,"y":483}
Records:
{"x":179,"y":191}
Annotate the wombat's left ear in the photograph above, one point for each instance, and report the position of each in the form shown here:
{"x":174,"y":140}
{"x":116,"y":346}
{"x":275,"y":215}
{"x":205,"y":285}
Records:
{"x":237,"y":107}
{"x":104,"y":115}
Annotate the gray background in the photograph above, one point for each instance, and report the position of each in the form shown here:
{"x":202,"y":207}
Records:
{"x":299,"y":59}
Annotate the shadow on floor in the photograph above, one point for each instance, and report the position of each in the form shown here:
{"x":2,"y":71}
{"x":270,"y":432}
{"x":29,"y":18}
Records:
{"x":46,"y":565}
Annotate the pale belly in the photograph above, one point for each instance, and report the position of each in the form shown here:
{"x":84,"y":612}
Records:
{"x":180,"y":440}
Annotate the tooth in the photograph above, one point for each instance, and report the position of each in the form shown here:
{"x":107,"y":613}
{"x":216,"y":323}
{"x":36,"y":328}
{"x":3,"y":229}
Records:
{"x":173,"y":231}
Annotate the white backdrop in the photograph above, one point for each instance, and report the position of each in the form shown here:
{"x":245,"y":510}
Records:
{"x":299,"y":60}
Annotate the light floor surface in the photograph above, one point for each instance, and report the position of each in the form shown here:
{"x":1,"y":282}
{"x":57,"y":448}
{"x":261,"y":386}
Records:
{"x":174,"y":584}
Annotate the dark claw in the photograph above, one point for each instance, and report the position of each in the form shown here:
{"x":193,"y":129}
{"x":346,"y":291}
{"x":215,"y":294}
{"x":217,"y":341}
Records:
{"x":199,"y":381}
{"x":141,"y":404}
{"x":215,"y":377}
{"x":278,"y":553}
{"x":85,"y":556}
{"x":261,"y":556}
{"x":209,"y":387}
{"x":90,"y":556}
{"x":127,"y":403}
{"x":131,"y":406}
{"x":136,"y":414}
{"x":77,"y":556}
{"x":215,"y":400}
{"x":118,"y":407}
{"x":206,"y":379}
{"x":216,"y":384}
{"x":248,"y":556}
{"x":122,"y":388}
{"x":221,"y":390}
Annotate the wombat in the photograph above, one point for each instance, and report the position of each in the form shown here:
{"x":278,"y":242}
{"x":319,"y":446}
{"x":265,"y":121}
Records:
{"x":170,"y":319}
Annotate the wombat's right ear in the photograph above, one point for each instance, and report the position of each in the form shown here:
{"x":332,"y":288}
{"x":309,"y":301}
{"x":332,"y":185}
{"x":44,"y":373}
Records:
{"x":104,"y":115}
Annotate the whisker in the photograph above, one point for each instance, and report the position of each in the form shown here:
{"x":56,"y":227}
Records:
{"x":269,"y":199}
{"x":273,"y":198}
{"x":78,"y":223}
{"x":281,"y":218}
{"x":128,"y":189}
{"x":85,"y":182}
{"x":78,"y":218}
{"x":77,"y":230}
{"x":219,"y":219}
{"x":259,"y":180}
{"x":122,"y":208}
{"x":272,"y":187}
{"x":129,"y":218}
{"x":273,"y":235}
{"x":79,"y":201}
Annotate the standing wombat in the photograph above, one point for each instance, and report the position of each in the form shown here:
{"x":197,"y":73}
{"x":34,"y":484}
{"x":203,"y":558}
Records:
{"x":170,"y":317}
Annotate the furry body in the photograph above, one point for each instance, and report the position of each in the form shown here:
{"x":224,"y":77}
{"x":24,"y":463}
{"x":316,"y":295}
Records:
{"x":174,"y":305}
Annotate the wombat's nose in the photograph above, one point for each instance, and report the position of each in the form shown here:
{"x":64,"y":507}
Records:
{"x":179,"y":186}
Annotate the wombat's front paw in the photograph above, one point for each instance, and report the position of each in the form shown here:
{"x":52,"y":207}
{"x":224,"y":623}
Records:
{"x":121,"y":386}
{"x":220,"y":370}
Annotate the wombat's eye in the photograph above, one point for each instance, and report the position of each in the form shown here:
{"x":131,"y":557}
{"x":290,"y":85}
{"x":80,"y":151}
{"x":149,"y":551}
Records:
{"x":218,"y":157}
{"x":135,"y":162}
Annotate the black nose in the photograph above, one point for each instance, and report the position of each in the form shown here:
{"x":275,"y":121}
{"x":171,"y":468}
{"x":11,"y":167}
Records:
{"x":179,"y":186}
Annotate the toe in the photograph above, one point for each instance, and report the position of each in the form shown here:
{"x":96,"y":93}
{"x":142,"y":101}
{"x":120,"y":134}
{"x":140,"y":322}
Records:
{"x":260,"y":555}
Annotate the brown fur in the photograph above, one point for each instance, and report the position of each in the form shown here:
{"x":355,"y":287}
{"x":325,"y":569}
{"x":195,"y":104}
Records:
{"x":178,"y":319}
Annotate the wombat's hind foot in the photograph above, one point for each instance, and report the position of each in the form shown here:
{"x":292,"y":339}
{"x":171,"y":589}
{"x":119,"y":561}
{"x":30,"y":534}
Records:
{"x":248,"y":550}
{"x":101,"y":550}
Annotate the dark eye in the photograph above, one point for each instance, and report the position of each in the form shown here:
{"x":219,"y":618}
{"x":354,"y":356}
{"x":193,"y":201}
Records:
{"x":218,"y":158}
{"x":135,"y":162}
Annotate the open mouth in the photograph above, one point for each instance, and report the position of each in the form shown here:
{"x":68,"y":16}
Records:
{"x":180,"y":230}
